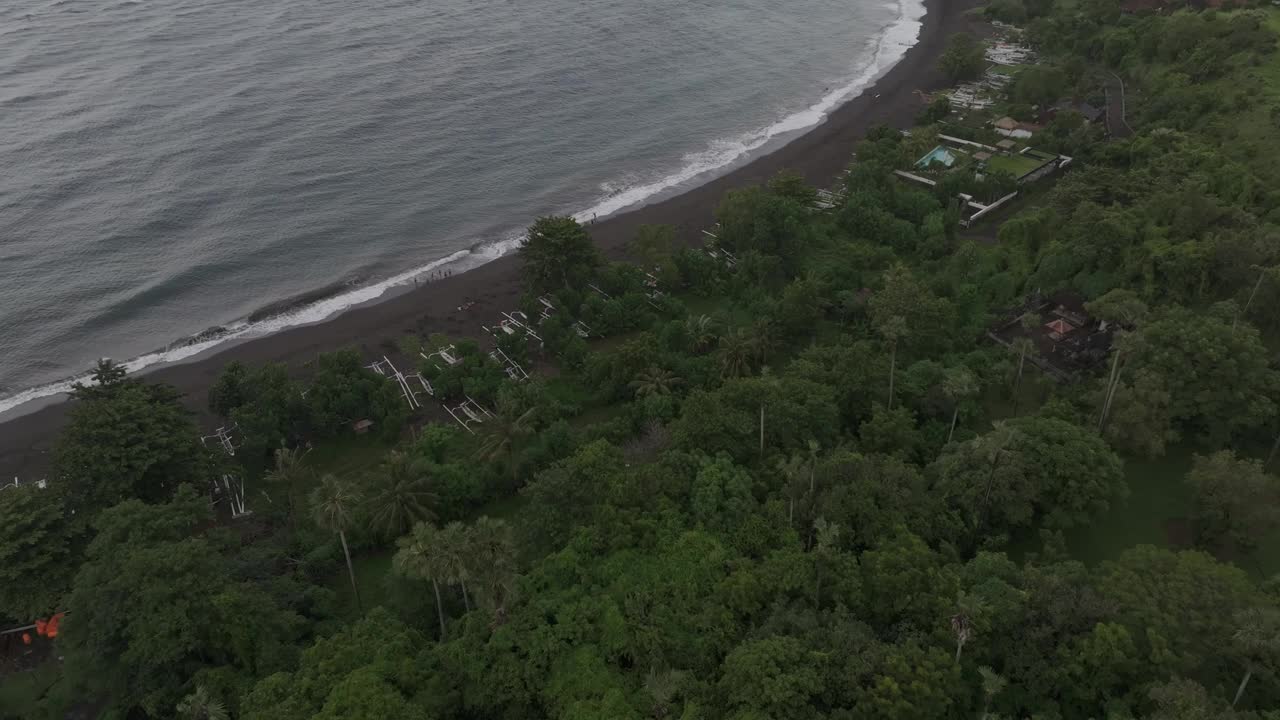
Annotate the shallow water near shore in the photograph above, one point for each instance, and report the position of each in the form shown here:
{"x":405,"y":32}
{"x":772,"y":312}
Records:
{"x":179,"y":166}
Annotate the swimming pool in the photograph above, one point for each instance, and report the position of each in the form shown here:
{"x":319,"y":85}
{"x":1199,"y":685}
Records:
{"x":939,"y":154}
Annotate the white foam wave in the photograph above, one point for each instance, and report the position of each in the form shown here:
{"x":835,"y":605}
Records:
{"x":891,"y":46}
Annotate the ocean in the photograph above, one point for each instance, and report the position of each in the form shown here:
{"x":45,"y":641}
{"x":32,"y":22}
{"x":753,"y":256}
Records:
{"x":177,"y":174}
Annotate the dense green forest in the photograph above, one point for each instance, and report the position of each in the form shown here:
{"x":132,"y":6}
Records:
{"x":800,"y":481}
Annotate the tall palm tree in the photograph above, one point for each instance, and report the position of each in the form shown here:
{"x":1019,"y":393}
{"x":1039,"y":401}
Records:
{"x":993,"y":443}
{"x":1023,"y":346}
{"x":453,"y":552}
{"x":418,"y":557}
{"x":957,"y":386}
{"x":200,"y":705}
{"x":1257,"y":636}
{"x":333,"y":506}
{"x":655,"y":381}
{"x":992,"y":685}
{"x":492,"y":552}
{"x":736,"y":352}
{"x":663,"y":686}
{"x":503,"y":432}
{"x":701,"y":331}
{"x":1127,"y":312}
{"x":401,"y":496}
{"x":893,"y":330}
{"x":1120,"y":344}
{"x":795,"y":473}
{"x":968,"y":609}
{"x":828,"y":534}
{"x":287,"y":473}
{"x":765,"y":337}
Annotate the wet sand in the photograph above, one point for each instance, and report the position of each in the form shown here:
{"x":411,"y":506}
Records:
{"x":27,"y":434}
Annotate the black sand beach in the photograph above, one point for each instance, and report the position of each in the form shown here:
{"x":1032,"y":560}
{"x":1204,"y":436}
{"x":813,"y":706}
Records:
{"x":26,"y":436}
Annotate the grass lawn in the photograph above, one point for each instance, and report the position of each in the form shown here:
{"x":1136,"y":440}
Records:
{"x":347,"y":456}
{"x":1157,"y":513}
{"x":1015,"y":165}
{"x":1159,"y":502}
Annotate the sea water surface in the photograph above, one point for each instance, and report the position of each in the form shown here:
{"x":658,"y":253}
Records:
{"x":170,"y":166}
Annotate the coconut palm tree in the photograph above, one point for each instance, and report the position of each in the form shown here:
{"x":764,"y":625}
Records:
{"x":968,"y":609}
{"x":333,"y":506}
{"x":1023,"y":347}
{"x":796,"y":474}
{"x":492,"y":552}
{"x":1257,"y":636}
{"x":994,"y":444}
{"x":200,"y":705}
{"x":957,"y":386}
{"x":655,"y":381}
{"x":992,"y":685}
{"x":765,"y":337}
{"x":736,"y":353}
{"x":701,"y":331}
{"x":418,"y":557}
{"x":663,"y":686}
{"x":1126,"y":311}
{"x":502,"y":433}
{"x":401,"y":496}
{"x":828,"y":534}
{"x":287,"y":473}
{"x":453,"y":552}
{"x":893,"y":330}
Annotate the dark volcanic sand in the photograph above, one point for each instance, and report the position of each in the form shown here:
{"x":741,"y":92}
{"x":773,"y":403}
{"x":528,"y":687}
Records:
{"x":819,"y":155}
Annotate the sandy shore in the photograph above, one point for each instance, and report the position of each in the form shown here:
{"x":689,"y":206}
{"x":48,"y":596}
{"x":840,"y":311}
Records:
{"x":819,"y":155}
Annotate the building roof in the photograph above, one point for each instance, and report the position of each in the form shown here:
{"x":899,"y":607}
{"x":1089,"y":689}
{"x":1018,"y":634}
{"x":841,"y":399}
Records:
{"x":1006,"y":144}
{"x":982,"y":155}
{"x":1061,"y":327}
{"x":1006,"y":123}
{"x":1087,"y":111}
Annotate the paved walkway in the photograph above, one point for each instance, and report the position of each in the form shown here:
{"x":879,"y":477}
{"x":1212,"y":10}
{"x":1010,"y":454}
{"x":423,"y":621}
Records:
{"x":1117,"y":125}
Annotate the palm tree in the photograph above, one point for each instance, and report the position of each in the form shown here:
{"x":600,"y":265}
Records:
{"x":655,"y":381}
{"x":1023,"y":346}
{"x":701,"y":331}
{"x":828,"y":535}
{"x":1120,"y":344}
{"x":333,"y":506}
{"x":401,"y":497}
{"x":765,"y":337}
{"x":958,"y":385}
{"x":503,"y":432}
{"x":992,"y":685}
{"x":893,"y":330}
{"x":200,"y":705}
{"x":493,"y":557}
{"x":736,"y":352}
{"x":794,"y":472}
{"x":995,"y":443}
{"x":452,"y":552}
{"x":663,"y":687}
{"x":288,"y":472}
{"x":1262,"y":274}
{"x":1123,"y":308}
{"x":1257,"y":636}
{"x":418,"y":557}
{"x":968,"y":609}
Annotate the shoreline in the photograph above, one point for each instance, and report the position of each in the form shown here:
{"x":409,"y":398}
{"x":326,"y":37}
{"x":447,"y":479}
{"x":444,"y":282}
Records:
{"x":819,"y":154}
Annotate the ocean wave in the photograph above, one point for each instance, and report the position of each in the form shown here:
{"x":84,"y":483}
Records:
{"x":889,"y":48}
